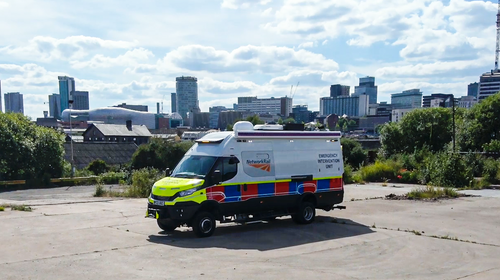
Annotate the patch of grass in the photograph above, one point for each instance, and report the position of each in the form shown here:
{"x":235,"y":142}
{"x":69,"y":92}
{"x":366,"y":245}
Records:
{"x":432,"y":193}
{"x":380,"y":171}
{"x":24,"y":208}
{"x":2,"y":208}
{"x":374,"y":226}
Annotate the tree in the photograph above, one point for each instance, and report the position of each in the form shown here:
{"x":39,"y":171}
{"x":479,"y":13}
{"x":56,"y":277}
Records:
{"x":289,"y":120}
{"x":255,"y":120}
{"x":28,"y":151}
{"x":353,"y":152}
{"x":429,"y":127}
{"x":98,"y":166}
{"x":480,"y":125}
{"x":159,"y":154}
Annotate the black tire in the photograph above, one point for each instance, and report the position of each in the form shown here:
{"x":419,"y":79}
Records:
{"x":305,"y":214}
{"x":204,"y":224}
{"x":167,"y":224}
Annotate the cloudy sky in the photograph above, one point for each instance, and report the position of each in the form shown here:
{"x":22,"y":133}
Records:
{"x":131,"y":51}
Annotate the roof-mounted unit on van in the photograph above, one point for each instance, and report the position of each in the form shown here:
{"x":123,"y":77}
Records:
{"x":287,"y":134}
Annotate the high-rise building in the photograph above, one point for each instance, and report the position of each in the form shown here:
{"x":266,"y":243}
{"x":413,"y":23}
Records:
{"x":173,"y":102}
{"x":367,"y":87}
{"x":473,"y":89}
{"x":14,"y":102}
{"x":436,"y":100}
{"x":81,"y":100}
{"x":489,"y":84}
{"x":339,"y":90}
{"x":275,"y":106}
{"x":411,"y":98}
{"x":1,"y":96}
{"x":66,"y":89}
{"x":140,"y":108}
{"x":55,"y":105}
{"x":187,"y":96}
{"x":214,"y":115}
{"x":467,"y":102}
{"x":352,"y":106}
{"x":301,"y":114}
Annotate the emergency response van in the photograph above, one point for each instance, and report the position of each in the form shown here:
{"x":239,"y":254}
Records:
{"x":251,"y":173}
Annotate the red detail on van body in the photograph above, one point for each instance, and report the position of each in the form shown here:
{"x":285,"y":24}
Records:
{"x":282,"y":188}
{"x":262,"y":166}
{"x":252,"y":190}
{"x":310,"y":186}
{"x":216,"y":193}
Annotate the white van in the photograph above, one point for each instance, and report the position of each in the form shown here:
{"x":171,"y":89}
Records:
{"x":251,"y":174}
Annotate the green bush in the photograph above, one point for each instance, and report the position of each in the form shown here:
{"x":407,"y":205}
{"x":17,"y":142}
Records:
{"x":112,"y":177}
{"x":490,"y":170}
{"x":432,"y":193}
{"x":353,"y":153}
{"x":99,"y":191}
{"x":475,"y":162}
{"x":142,"y":182}
{"x":98,"y":167}
{"x":347,"y":176}
{"x":380,"y":171}
{"x":447,"y":170}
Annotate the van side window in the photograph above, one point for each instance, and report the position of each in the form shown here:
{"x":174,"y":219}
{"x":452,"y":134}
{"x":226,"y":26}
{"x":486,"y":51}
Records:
{"x":227,"y":170}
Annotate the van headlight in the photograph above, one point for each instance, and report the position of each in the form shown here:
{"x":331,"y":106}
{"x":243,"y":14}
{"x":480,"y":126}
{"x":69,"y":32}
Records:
{"x":187,"y":192}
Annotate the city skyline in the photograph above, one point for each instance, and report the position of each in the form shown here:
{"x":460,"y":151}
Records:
{"x":269,"y":46}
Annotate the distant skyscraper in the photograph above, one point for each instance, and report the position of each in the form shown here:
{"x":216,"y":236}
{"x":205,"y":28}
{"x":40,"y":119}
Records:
{"x":339,"y":90}
{"x":367,"y":87}
{"x":473,"y":89}
{"x":1,"y":96}
{"x":187,"y":96}
{"x":352,"y":106}
{"x":489,"y":84}
{"x":14,"y":102}
{"x":214,"y":115}
{"x":407,"y":99}
{"x":274,"y":106}
{"x":81,"y":100}
{"x":66,"y":90}
{"x":436,"y":100}
{"x":173,"y":102}
{"x":55,"y":106}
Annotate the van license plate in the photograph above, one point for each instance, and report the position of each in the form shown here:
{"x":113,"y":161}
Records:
{"x":159,"y":203}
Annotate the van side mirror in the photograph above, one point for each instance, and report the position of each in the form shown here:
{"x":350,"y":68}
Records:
{"x":234,"y":160}
{"x":168,"y":172}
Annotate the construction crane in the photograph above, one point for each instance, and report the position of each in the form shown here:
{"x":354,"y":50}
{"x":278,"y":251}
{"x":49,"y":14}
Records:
{"x":292,"y":93}
{"x":497,"y":50}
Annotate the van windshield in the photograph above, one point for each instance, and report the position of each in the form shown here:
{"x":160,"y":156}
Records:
{"x":194,"y":167}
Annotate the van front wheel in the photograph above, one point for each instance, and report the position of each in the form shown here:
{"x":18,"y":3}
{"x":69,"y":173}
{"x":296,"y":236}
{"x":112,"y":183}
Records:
{"x":203,"y":224}
{"x":305,"y":214}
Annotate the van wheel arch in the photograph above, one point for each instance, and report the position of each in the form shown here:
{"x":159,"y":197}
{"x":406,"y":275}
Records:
{"x":212,"y":207}
{"x":308,"y":197}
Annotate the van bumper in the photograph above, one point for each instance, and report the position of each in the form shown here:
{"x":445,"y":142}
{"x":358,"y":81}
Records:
{"x":182,"y":211}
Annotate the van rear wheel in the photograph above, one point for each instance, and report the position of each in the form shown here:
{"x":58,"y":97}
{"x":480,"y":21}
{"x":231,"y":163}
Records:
{"x":204,"y":224}
{"x":305,"y":214}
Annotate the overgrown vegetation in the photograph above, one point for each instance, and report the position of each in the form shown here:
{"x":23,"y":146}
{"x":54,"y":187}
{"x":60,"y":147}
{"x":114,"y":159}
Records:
{"x":2,"y":208}
{"x":432,"y":193}
{"x":140,"y":186}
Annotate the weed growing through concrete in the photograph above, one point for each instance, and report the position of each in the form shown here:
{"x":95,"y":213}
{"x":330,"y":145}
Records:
{"x":2,"y":208}
{"x":24,"y":208}
{"x":432,"y":193}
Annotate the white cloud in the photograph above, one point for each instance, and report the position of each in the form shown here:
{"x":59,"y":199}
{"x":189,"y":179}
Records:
{"x":3,"y":5}
{"x":264,"y":59}
{"x":43,"y":48}
{"x":307,"y":45}
{"x":130,"y":58}
{"x":315,"y":78}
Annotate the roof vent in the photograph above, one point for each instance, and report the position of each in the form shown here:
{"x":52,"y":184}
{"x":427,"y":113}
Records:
{"x":243,"y":125}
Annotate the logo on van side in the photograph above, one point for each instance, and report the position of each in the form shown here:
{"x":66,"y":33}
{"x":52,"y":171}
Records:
{"x":262,"y":164}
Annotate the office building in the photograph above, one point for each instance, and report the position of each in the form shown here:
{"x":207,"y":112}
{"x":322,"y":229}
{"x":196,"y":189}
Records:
{"x":380,"y":109}
{"x":407,"y":99}
{"x":140,"y":108}
{"x":339,"y":90}
{"x":66,"y":89}
{"x":228,"y":118}
{"x":55,"y":105}
{"x":186,"y":96}
{"x":473,"y":89}
{"x":214,"y":115}
{"x":367,"y":87}
{"x":467,"y":102}
{"x":14,"y":102}
{"x":352,"y":106}
{"x":489,"y":84}
{"x":80,"y":100}
{"x":200,"y":120}
{"x":439,"y":100}
{"x":275,"y":106}
{"x":301,"y":114}
{"x":398,"y":114}
{"x":173,"y":102}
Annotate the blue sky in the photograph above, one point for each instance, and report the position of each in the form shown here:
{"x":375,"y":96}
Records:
{"x":131,"y":51}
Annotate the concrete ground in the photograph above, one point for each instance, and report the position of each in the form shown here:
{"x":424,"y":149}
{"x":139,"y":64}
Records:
{"x":71,"y":235}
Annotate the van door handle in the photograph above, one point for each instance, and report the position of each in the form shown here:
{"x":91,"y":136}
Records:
{"x":245,"y":187}
{"x":238,"y":188}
